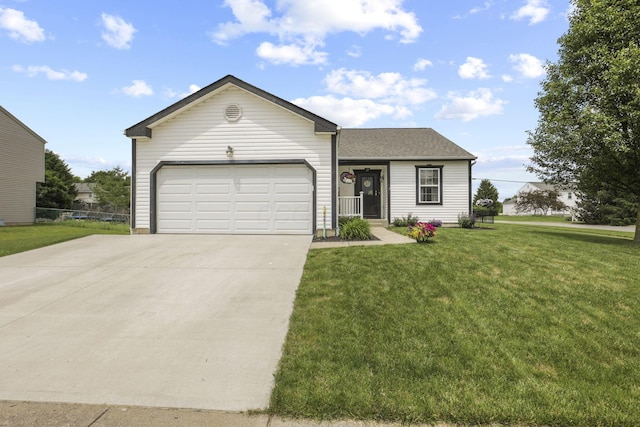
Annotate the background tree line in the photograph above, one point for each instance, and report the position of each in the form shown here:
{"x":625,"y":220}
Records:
{"x":111,"y":188}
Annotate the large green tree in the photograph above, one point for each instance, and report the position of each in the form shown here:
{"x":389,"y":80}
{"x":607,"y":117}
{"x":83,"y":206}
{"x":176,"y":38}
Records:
{"x":57,"y":191}
{"x":112,"y":188}
{"x":589,"y":126}
{"x":486,"y":191}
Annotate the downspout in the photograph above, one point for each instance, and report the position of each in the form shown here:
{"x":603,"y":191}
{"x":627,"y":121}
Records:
{"x":471,"y":163}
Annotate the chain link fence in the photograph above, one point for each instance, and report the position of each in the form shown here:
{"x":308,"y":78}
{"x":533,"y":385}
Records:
{"x":59,"y":215}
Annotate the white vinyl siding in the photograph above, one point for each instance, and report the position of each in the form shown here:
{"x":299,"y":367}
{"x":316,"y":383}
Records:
{"x":265,"y":131}
{"x":454,"y":191}
{"x":21,"y":166}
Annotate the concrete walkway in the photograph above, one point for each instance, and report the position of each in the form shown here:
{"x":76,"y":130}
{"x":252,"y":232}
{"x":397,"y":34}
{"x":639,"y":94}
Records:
{"x":385,"y":237}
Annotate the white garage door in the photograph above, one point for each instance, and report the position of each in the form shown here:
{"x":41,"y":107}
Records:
{"x":239,"y":199}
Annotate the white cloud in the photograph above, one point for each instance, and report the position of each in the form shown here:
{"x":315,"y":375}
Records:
{"x":367,"y":97}
{"x":304,"y":25}
{"x":507,"y":78}
{"x":170,"y":93}
{"x":478,"y":103}
{"x":422,"y":64}
{"x":535,"y":11}
{"x":355,"y":51}
{"x":291,"y":54}
{"x":486,"y":6}
{"x":527,"y":65}
{"x":474,"y":68}
{"x":252,"y":16}
{"x":19,"y":27}
{"x":50,"y":73}
{"x":138,"y":88}
{"x":388,"y":87}
{"x":118,"y":33}
{"x":350,"y":112}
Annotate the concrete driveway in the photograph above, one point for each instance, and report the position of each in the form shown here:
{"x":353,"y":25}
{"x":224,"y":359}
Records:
{"x":176,"y":321}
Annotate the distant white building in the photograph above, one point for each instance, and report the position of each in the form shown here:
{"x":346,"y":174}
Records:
{"x":566,"y":195}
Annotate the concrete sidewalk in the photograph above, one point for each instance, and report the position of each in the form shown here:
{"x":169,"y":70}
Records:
{"x":37,"y":414}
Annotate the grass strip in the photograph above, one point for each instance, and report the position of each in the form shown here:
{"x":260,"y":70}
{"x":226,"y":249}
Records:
{"x":24,"y":238}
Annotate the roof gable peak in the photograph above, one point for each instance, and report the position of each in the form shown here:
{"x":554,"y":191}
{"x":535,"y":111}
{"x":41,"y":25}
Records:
{"x":144,"y":128}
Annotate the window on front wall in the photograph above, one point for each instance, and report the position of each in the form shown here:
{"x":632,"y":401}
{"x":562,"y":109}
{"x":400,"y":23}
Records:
{"x":428,"y":185}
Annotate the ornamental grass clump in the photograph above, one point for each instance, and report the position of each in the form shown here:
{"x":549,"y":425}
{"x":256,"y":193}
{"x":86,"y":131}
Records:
{"x":355,"y":228}
{"x":422,"y":232}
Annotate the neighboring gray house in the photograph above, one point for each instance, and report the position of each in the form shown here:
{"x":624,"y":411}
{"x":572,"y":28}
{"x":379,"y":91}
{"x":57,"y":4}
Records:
{"x":232,"y":158}
{"x":21,"y":167}
{"x":567,"y":196}
{"x":86,"y":197}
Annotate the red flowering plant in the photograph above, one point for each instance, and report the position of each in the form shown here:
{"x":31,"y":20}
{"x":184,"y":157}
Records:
{"x":422,"y":231}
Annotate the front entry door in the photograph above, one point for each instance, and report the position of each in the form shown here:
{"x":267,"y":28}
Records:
{"x":369,"y":183}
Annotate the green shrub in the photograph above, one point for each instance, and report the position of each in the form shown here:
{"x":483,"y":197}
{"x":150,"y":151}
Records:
{"x":355,"y":229}
{"x":345,"y":219}
{"x":466,"y":220}
{"x":408,"y":221}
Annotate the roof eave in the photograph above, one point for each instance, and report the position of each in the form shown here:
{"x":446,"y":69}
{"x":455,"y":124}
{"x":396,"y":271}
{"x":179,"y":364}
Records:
{"x":143,"y":128}
{"x":406,"y":158}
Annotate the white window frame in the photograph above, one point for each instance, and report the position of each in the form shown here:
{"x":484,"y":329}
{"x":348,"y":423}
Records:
{"x":419,"y":186}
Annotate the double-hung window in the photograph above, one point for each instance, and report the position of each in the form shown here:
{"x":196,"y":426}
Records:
{"x":428,"y":185}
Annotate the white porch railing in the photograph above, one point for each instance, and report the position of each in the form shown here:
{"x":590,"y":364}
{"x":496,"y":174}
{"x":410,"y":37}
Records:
{"x":350,"y":205}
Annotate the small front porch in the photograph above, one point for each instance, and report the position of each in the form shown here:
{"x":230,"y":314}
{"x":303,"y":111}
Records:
{"x":363,"y":191}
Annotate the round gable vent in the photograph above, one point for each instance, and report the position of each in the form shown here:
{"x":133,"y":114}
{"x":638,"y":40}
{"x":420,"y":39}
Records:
{"x":232,"y":112}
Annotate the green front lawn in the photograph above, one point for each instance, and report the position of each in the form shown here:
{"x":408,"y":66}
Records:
{"x":24,"y":238}
{"x":517,"y":324}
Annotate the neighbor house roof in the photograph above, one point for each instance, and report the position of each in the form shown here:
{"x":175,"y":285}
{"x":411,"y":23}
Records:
{"x":19,"y":123}
{"x":550,"y":187}
{"x":144,"y":128}
{"x":84,"y":187}
{"x":397,"y":144}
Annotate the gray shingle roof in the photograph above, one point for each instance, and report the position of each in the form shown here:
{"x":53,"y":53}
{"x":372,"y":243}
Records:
{"x":398,"y":143}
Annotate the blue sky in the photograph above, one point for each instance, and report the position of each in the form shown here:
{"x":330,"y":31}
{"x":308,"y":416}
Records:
{"x":79,"y":72}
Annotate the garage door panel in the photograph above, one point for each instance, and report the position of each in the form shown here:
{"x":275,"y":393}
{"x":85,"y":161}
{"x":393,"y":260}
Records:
{"x":211,"y":225}
{"x":175,"y":226}
{"x":205,"y":207}
{"x":291,"y":188}
{"x":252,"y":207}
{"x":253,"y":189}
{"x":213,"y":189}
{"x":235,"y":199}
{"x":252,"y":225}
{"x":176,"y":207}
{"x":174,"y":189}
{"x":210,"y":172}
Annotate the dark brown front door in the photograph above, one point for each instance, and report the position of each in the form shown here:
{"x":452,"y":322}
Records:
{"x":369,"y":183}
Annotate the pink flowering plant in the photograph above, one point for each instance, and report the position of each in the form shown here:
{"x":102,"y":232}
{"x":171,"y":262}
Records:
{"x":422,"y":231}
